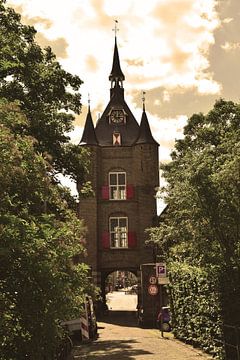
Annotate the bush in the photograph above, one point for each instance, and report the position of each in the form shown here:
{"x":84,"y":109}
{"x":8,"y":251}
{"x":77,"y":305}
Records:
{"x":196,"y":307}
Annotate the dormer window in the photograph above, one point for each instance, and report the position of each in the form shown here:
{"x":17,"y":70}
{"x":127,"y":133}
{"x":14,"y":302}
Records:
{"x":116,"y":139}
{"x":117,"y":186}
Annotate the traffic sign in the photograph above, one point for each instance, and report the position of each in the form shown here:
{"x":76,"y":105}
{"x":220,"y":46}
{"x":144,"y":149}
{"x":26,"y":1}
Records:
{"x":152,"y":280}
{"x":163,"y":280}
{"x":161,"y":270}
{"x":153,"y":289}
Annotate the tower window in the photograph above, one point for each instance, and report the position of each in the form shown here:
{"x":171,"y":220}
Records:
{"x":117,"y":186}
{"x":116,"y":139}
{"x":118,"y":232}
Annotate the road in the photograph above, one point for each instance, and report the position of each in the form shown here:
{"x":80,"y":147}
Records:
{"x":121,"y":339}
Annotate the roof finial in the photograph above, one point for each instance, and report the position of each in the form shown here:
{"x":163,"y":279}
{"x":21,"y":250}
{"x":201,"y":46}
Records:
{"x":143,"y":100}
{"x":115,"y":28}
{"x":89,"y":101}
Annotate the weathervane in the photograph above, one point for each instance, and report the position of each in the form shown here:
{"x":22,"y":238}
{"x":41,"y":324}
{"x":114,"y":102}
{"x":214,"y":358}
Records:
{"x":143,"y":100}
{"x":89,"y":101}
{"x":115,"y":28}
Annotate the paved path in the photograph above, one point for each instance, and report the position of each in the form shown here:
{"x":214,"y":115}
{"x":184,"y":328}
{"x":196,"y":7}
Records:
{"x":121,"y":339}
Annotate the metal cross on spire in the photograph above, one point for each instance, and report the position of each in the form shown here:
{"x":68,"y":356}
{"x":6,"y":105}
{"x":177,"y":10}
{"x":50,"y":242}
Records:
{"x":115,"y":28}
{"x":143,"y":100}
{"x":89,"y":100}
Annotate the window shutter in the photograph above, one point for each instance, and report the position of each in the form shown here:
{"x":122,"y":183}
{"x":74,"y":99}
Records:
{"x":132,"y":239}
{"x":130,"y":191}
{"x":105,"y":240}
{"x":105,"y":192}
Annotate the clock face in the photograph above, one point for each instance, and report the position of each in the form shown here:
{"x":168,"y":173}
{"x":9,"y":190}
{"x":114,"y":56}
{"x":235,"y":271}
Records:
{"x":117,"y":116}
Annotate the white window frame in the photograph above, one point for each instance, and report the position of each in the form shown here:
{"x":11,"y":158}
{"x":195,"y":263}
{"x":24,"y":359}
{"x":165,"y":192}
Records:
{"x":118,"y":235}
{"x":117,"y":191}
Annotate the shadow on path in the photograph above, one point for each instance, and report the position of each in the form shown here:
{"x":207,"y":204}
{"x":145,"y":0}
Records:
{"x":109,"y":350}
{"x":121,"y":318}
{"x":114,"y":349}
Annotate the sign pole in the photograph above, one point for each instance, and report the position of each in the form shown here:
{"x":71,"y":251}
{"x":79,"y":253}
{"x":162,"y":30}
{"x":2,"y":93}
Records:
{"x":161,"y":273}
{"x":161,"y":312}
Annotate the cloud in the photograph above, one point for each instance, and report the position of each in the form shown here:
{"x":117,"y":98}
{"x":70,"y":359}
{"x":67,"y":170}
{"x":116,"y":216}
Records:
{"x":75,"y":134}
{"x":228,"y":46}
{"x":159,"y":45}
{"x":224,"y":53}
{"x":92,"y":63}
{"x":59,"y":46}
{"x":175,"y":102}
{"x":227,"y":20}
{"x":134,"y":62}
{"x":42,"y":24}
{"x":37,"y":20}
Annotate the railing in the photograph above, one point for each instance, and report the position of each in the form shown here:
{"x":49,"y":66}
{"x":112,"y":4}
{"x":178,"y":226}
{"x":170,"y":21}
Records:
{"x":232,"y":342}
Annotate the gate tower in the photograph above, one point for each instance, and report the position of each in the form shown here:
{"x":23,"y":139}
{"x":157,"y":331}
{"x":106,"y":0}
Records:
{"x":124,"y":174}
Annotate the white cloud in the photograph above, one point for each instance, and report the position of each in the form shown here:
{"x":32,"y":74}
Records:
{"x":208,"y":86}
{"x":227,"y":20}
{"x":76,"y":134}
{"x":173,"y":53}
{"x":230,"y":46}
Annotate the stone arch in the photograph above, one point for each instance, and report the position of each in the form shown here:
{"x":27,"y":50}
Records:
{"x":106,"y":272}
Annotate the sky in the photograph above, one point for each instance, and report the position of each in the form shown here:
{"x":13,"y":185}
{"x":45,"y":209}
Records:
{"x":183,"y":53}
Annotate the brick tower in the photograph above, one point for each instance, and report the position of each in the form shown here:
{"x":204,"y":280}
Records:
{"x":124,"y":176}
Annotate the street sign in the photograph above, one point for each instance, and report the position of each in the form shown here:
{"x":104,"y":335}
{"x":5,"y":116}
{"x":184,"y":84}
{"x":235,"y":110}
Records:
{"x":161,"y":270}
{"x":152,"y":280}
{"x":163,"y":281}
{"x":153,"y":289}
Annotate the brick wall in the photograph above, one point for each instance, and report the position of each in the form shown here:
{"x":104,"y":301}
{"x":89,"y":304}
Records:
{"x":140,"y":162}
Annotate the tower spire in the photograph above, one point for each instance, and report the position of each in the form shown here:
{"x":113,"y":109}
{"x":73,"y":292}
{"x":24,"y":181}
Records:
{"x":143,"y":100}
{"x":145,"y":134}
{"x":116,"y":76}
{"x":89,"y":135}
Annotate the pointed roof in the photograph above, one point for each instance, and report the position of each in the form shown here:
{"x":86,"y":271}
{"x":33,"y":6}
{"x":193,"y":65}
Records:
{"x":89,"y":136}
{"x":145,"y":134}
{"x":104,"y":128}
{"x":116,"y":73}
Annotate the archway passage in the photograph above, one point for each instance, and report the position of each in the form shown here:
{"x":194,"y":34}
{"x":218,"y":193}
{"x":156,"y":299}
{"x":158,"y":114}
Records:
{"x":121,"y":291}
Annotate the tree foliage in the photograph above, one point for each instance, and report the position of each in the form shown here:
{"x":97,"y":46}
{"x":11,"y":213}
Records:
{"x":41,"y":283}
{"x":39,"y":237}
{"x":202,"y":219}
{"x":48,"y":95}
{"x":202,"y":189}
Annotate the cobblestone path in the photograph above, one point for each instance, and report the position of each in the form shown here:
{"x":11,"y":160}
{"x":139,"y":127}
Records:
{"x":121,"y":339}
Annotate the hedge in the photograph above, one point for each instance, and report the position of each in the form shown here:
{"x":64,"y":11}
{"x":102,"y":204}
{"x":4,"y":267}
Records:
{"x":195,"y":306}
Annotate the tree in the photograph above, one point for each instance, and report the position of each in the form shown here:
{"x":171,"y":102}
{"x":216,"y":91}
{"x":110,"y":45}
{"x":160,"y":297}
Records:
{"x":47,"y":94}
{"x":205,"y":168}
{"x":40,"y":284}
{"x":203,"y":196}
